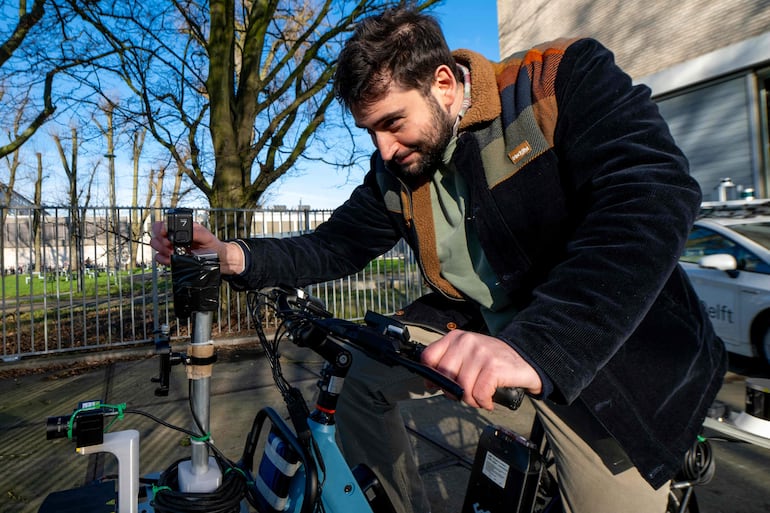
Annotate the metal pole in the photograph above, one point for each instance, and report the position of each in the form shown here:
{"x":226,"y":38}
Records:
{"x":201,"y":394}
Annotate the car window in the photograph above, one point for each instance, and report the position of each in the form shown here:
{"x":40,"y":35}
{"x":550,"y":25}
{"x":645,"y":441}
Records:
{"x":758,"y":232}
{"x":703,"y":242}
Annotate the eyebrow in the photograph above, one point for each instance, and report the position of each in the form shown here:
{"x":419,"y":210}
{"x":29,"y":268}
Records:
{"x":399,"y":112}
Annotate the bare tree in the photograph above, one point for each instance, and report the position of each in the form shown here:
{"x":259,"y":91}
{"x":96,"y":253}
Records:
{"x":113,"y":225}
{"x":158,"y":181}
{"x":70,"y":167}
{"x":138,"y":216}
{"x":79,"y":196}
{"x":13,"y":162}
{"x":37,"y":217}
{"x":46,"y":41}
{"x":26,"y":21}
{"x":107,"y":107}
{"x":235,"y":90}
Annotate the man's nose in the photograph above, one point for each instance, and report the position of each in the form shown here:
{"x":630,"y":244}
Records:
{"x":386,"y":143}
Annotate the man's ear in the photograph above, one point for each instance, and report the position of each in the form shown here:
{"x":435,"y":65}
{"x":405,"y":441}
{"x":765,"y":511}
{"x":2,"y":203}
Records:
{"x":445,"y":85}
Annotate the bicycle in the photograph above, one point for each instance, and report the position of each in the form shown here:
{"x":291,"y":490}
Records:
{"x":301,"y":469}
{"x":530,"y":482}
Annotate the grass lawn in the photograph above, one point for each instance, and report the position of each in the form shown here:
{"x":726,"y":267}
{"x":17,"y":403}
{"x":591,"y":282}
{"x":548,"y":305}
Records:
{"x":94,"y":284}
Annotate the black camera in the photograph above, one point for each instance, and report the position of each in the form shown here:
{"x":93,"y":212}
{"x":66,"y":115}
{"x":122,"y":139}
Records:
{"x":179,"y":222}
{"x":85,"y":425}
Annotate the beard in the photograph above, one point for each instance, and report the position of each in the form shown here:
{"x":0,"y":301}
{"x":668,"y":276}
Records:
{"x":430,"y":150}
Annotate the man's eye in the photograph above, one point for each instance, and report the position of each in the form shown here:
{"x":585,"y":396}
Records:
{"x":393,"y":124}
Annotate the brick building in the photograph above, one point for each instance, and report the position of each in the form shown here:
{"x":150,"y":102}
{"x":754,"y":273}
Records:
{"x":706,"y":61}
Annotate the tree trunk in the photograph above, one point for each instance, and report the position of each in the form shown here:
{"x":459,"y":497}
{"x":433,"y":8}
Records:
{"x":137,"y":217}
{"x":36,"y":220}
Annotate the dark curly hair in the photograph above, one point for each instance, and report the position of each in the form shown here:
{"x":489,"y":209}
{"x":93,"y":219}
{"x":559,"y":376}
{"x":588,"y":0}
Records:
{"x":401,"y":45}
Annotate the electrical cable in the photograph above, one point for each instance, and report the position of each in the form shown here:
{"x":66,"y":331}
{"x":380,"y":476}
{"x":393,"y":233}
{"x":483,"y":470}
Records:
{"x":698,"y":465}
{"x":225,"y":499}
{"x":259,"y":303}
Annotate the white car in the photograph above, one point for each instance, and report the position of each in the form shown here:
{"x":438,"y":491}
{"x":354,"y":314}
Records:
{"x":727,"y":258}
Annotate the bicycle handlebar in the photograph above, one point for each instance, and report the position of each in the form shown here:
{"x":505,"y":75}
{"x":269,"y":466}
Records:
{"x":382,"y":348}
{"x":381,"y":338}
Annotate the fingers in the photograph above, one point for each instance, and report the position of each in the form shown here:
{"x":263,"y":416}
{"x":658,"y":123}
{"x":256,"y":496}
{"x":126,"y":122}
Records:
{"x":462,"y":356}
{"x":161,"y":244}
{"x":480,"y":364}
{"x":476,"y":375}
{"x":432,"y":354}
{"x":202,"y":239}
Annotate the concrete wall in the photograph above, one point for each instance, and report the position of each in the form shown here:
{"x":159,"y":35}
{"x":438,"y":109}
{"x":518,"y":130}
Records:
{"x":646,"y":36}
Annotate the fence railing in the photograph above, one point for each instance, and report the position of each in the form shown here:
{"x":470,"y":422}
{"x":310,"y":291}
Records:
{"x":85,"y":278}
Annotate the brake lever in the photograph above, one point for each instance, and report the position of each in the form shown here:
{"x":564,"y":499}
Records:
{"x":387,"y":341}
{"x":510,"y":397}
{"x":388,"y":350}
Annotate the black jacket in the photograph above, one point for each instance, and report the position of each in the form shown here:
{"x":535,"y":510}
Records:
{"x":582,"y":204}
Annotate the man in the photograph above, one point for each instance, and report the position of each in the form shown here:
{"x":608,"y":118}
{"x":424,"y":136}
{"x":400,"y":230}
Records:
{"x":547,"y":204}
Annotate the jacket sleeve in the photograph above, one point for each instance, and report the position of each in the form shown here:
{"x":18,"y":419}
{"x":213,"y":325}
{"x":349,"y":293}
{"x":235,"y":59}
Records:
{"x":357,"y":232}
{"x":632,"y":204}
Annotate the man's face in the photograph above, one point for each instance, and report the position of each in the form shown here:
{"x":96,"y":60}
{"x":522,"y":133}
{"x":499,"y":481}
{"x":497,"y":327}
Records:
{"x":411,"y":130}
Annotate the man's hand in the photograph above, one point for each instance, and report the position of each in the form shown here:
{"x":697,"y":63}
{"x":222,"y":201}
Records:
{"x":480,"y":364}
{"x":203,"y":241}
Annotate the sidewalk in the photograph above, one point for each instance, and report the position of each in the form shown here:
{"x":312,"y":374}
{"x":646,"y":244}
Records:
{"x":445,"y":432}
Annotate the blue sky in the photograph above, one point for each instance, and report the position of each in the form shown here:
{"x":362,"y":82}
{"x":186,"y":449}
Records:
{"x":466,"y":24}
{"x":470,"y":24}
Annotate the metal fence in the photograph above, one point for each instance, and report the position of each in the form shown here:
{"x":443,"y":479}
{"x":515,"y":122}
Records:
{"x":84,"y":278}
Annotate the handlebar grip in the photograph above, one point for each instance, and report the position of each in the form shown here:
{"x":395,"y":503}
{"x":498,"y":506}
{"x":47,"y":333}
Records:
{"x":510,"y":397}
{"x":435,"y":377}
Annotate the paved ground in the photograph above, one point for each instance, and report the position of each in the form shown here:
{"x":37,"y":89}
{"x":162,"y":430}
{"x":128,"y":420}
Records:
{"x":445,"y":432}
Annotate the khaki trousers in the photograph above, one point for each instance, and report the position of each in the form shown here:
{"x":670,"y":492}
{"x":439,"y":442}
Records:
{"x":372,"y":431}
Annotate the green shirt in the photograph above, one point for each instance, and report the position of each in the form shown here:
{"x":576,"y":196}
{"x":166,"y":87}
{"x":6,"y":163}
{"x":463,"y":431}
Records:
{"x":462,"y":259}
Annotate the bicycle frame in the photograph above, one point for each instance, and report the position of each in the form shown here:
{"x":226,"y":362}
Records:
{"x":340,"y":491}
{"x":323,"y":466}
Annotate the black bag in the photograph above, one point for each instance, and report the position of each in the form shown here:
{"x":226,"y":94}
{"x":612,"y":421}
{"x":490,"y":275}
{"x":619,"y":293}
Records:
{"x":437,"y":313}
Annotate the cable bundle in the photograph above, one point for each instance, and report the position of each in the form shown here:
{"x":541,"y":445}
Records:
{"x":225,"y":499}
{"x":698,"y":465}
